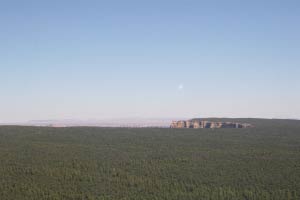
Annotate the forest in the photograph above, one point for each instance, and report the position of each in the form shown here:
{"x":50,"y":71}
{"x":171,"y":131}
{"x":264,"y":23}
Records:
{"x":91,"y":163}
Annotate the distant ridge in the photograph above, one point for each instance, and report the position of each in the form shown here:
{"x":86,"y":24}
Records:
{"x":151,"y":122}
{"x":200,"y":123}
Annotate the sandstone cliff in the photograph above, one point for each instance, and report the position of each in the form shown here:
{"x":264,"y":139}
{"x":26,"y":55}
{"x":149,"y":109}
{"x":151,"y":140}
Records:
{"x":207,"y":124}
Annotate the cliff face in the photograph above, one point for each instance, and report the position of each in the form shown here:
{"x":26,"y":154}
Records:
{"x":207,"y":124}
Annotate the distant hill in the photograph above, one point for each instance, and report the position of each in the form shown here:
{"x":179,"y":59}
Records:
{"x":198,"y":123}
{"x":154,"y":122}
{"x":232,"y":123}
{"x":257,"y":122}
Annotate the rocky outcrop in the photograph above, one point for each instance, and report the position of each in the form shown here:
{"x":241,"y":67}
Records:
{"x":207,"y":124}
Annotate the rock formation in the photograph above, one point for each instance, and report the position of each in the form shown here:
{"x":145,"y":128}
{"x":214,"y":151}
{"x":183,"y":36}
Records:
{"x":207,"y":124}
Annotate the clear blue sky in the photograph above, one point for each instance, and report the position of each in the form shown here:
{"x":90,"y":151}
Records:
{"x":93,"y":59}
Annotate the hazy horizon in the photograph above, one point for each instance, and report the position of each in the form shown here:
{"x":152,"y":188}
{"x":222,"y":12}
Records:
{"x":157,"y":59}
{"x":122,"y":121}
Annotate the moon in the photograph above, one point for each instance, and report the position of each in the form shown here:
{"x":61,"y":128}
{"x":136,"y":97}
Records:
{"x":180,"y":87}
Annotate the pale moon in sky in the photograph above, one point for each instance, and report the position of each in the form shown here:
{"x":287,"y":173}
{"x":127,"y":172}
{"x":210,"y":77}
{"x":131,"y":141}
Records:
{"x":180,"y":87}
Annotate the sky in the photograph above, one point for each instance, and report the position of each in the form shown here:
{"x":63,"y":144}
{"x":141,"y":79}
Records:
{"x":98,"y":59}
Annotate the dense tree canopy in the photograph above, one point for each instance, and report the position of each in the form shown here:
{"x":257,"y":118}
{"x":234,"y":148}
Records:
{"x":151,"y":163}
